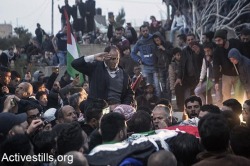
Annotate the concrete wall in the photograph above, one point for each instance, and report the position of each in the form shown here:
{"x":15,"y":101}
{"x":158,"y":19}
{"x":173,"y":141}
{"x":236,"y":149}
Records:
{"x":91,"y":49}
{"x":5,"y":30}
{"x":20,"y":64}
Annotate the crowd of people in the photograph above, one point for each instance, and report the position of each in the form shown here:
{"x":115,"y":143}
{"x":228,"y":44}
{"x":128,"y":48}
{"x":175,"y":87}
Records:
{"x":125,"y":114}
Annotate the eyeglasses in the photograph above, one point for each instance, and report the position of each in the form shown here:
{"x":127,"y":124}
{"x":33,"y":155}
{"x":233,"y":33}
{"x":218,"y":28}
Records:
{"x":193,"y":106}
{"x":35,"y":116}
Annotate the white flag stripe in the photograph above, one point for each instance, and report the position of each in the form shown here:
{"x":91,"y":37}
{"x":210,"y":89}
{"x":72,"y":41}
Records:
{"x":72,"y":48}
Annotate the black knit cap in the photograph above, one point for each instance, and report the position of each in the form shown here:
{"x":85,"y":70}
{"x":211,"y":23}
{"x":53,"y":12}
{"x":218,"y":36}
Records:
{"x":222,"y":33}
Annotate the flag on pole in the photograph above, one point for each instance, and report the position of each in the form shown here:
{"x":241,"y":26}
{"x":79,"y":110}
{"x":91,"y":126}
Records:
{"x":73,"y":51}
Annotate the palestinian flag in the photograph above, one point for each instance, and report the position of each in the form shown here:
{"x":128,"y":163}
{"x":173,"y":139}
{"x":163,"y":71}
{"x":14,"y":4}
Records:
{"x":73,"y":51}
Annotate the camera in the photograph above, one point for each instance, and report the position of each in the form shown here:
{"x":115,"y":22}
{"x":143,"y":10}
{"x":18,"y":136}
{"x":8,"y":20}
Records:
{"x":13,"y":102}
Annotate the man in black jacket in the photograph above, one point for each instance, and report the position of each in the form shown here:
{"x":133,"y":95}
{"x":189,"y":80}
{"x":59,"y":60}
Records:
{"x":106,"y":80}
{"x":78,"y":14}
{"x":222,"y":65}
{"x":61,"y":10}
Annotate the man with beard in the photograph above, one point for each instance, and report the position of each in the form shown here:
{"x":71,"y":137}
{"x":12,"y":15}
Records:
{"x":245,"y":42}
{"x":222,"y":65}
{"x":192,"y":110}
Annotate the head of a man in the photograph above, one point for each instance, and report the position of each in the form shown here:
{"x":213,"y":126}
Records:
{"x":177,"y":54}
{"x":157,"y":40}
{"x":214,"y":133}
{"x":66,"y":114}
{"x":11,"y":124}
{"x":94,"y":110}
{"x":208,"y":50}
{"x":5,"y":76}
{"x":24,"y":90}
{"x":195,"y":46}
{"x":32,"y":113}
{"x":56,"y":86}
{"x":220,"y":37}
{"x":245,"y":35}
{"x":181,"y":40}
{"x":42,"y":98}
{"x":113,"y":61}
{"x":38,"y":86}
{"x":232,"y":105}
{"x":246,"y":112}
{"x":15,"y":79}
{"x":113,"y":127}
{"x":72,"y":138}
{"x":144,"y":31}
{"x":190,"y":39}
{"x":240,"y":141}
{"x":162,"y":158}
{"x":162,"y":116}
{"x":118,"y":32}
{"x":192,"y":106}
{"x":207,"y":37}
{"x":209,"y":108}
{"x":234,"y":56}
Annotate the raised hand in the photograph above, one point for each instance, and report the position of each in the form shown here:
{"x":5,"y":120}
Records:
{"x":102,"y":56}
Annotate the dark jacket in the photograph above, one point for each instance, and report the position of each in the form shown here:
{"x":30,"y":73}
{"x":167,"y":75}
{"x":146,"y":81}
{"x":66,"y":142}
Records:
{"x":245,"y":49}
{"x":219,"y":159}
{"x":90,"y":7}
{"x":68,"y":9}
{"x":243,"y":67}
{"x":221,"y":63}
{"x":99,"y":80}
{"x":190,"y":66}
{"x":81,"y":10}
{"x":128,"y":64}
{"x":131,"y":35}
{"x":162,"y":58}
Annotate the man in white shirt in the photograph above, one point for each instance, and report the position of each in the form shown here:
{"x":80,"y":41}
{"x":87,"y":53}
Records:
{"x":179,"y":23}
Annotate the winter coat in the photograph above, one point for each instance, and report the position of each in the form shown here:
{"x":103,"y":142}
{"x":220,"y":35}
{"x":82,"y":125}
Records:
{"x":243,"y":67}
{"x":162,"y":58}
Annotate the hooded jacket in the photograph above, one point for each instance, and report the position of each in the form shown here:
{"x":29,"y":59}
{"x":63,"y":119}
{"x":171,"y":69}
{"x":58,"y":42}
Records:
{"x":146,"y":47}
{"x":162,"y":58}
{"x":243,"y":67}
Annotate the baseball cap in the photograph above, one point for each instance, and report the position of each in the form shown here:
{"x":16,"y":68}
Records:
{"x":9,"y":120}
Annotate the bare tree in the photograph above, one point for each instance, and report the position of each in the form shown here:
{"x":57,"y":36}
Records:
{"x":213,"y":14}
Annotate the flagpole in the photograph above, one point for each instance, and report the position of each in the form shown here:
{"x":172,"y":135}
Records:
{"x":207,"y":85}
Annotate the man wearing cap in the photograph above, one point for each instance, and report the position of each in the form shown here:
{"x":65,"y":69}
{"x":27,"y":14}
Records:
{"x":222,"y":65}
{"x":10,"y":124}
